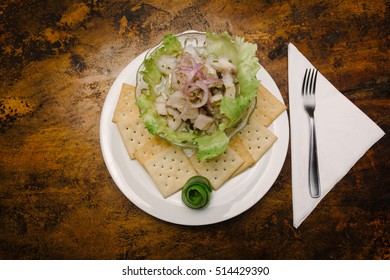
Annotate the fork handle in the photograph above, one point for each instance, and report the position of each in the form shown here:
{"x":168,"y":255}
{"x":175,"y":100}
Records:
{"x":314,"y":178}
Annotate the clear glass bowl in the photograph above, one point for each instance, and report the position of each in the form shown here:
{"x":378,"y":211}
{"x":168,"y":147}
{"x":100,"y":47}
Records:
{"x":196,"y":39}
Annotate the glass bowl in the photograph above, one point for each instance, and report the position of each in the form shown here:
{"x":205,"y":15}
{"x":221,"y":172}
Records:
{"x":196,"y":39}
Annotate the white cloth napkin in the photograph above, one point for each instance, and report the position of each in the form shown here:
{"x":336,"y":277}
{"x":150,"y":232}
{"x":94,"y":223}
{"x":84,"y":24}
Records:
{"x":344,"y":134}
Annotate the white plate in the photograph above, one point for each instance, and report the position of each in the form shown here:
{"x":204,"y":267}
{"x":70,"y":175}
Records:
{"x":236,"y":196}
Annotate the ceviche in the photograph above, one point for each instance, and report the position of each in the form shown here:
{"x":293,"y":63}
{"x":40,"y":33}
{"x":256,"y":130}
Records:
{"x":193,"y":95}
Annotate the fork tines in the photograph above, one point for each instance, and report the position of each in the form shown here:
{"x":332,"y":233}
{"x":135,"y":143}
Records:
{"x":309,"y":80}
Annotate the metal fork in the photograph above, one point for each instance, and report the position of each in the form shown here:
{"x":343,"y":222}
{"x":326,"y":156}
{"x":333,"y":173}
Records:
{"x":309,"y":103}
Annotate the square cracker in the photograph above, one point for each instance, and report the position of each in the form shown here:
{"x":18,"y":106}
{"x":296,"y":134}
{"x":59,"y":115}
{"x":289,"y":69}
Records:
{"x":155,"y":146}
{"x":219,"y":169}
{"x":268,"y":107}
{"x":125,"y":106}
{"x":134,"y":135}
{"x":257,"y":138}
{"x":170,"y":169}
{"x":239,"y":147}
{"x":130,"y":125}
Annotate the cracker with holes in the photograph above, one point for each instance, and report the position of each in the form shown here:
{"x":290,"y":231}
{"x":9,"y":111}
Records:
{"x":268,"y":107}
{"x":219,"y":169}
{"x":238,"y":146}
{"x":125,"y":106}
{"x":150,"y":149}
{"x":257,"y":138}
{"x":170,"y":169}
{"x":130,"y":126}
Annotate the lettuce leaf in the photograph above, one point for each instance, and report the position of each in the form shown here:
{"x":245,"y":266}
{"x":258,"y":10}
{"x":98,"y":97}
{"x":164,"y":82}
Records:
{"x":210,"y":146}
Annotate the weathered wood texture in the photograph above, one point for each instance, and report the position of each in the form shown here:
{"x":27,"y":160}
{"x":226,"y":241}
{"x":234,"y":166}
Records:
{"x":58,"y":61}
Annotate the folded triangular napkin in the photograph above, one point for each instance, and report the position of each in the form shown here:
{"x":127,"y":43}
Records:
{"x":344,"y":134}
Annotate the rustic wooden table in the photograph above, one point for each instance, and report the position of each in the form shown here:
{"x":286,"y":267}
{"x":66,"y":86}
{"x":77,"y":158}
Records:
{"x":58,"y":61}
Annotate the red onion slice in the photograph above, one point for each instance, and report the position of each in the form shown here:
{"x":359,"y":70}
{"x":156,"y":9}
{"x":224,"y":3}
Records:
{"x":205,"y":95}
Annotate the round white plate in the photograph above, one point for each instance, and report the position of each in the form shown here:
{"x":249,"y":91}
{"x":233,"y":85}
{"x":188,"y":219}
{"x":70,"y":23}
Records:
{"x":234,"y":197}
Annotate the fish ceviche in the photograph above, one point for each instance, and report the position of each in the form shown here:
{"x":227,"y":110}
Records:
{"x":194,"y":95}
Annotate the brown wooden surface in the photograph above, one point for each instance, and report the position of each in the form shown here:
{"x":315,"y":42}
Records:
{"x":58,"y":61}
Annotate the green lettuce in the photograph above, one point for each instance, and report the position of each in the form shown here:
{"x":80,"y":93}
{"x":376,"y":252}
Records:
{"x":210,"y":146}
